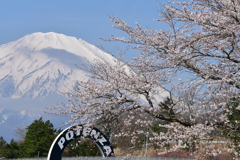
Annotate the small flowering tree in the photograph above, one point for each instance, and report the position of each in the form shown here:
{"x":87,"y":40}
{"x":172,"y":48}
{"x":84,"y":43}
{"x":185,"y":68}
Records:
{"x":201,"y":45}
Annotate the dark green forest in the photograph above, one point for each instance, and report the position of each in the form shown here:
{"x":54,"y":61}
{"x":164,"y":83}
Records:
{"x":36,"y":140}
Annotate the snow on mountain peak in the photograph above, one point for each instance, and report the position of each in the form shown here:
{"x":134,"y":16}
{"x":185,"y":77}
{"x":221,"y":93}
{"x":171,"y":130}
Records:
{"x":42,"y":64}
{"x":38,"y":41}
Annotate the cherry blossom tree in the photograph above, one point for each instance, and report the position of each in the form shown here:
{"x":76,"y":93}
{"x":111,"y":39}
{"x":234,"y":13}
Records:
{"x":200,"y":46}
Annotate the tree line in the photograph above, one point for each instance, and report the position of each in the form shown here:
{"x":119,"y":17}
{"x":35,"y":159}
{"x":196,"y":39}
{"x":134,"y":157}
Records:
{"x":36,"y":140}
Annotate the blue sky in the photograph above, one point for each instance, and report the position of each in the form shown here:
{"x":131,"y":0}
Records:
{"x":86,"y":19}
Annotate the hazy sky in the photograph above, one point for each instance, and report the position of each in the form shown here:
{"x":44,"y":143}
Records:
{"x":86,"y":19}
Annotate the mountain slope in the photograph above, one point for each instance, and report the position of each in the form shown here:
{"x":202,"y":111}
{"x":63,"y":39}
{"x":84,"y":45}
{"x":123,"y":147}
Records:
{"x":35,"y":70}
{"x":43,"y":64}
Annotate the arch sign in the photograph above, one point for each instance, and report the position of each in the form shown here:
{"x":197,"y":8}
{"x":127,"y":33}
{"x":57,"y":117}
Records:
{"x":77,"y":131}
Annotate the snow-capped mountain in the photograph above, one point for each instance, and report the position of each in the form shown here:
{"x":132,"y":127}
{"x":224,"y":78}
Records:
{"x":35,"y":70}
{"x":43,"y":64}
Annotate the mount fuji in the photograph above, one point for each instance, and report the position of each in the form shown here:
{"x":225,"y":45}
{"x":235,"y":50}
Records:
{"x":35,"y":71}
{"x":43,"y":64}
